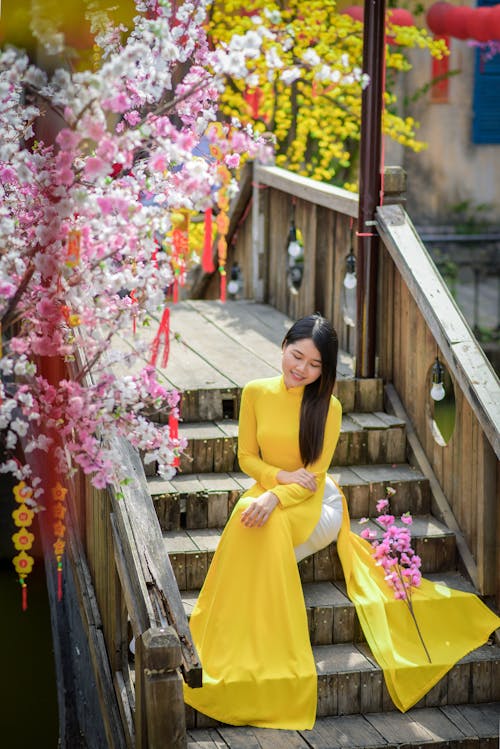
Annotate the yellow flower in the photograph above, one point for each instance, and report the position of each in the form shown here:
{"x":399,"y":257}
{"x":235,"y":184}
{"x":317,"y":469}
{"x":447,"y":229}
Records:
{"x":23,"y":563}
{"x":59,"y":547}
{"x":59,"y":492}
{"x":23,"y":540}
{"x":59,"y":529}
{"x":23,"y":516}
{"x":59,"y":510}
{"x":22,"y":492}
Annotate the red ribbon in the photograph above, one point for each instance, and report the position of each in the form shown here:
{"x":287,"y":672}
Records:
{"x":207,"y":261}
{"x":223,"y":278}
{"x":134,"y":319}
{"x":163,"y":333}
{"x":59,"y":582}
{"x":25,"y":596}
{"x":173,"y":426}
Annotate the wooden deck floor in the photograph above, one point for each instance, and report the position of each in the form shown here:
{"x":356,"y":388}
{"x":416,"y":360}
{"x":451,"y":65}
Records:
{"x":221,"y":346}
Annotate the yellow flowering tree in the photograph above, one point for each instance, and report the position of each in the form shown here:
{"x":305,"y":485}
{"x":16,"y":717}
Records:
{"x":307,"y":89}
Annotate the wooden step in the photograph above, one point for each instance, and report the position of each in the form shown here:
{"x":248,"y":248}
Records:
{"x":205,"y":500}
{"x":447,"y":726}
{"x":364,"y":438}
{"x":331,"y":616}
{"x":191,"y":551}
{"x":351,"y":682}
{"x":206,"y":403}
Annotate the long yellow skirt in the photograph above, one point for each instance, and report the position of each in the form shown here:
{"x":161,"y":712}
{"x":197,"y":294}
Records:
{"x":250,"y":626}
{"x":451,"y":623}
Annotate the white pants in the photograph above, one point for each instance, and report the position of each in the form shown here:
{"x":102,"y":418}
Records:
{"x":328,"y":525}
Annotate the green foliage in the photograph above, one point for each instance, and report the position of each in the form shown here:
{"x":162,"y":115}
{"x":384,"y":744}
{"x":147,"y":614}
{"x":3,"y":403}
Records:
{"x":315,"y":122}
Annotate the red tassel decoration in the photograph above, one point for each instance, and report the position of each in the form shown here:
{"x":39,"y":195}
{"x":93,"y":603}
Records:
{"x":24,"y":590}
{"x":163,"y":333}
{"x":134,"y":320}
{"x":59,"y":581}
{"x":207,"y":261}
{"x":223,"y":277}
{"x":154,"y":256}
{"x":173,"y":426}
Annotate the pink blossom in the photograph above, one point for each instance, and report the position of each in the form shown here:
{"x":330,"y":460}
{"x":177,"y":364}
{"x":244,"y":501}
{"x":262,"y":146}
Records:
{"x":158,"y":162}
{"x":385,"y":520}
{"x":368,"y":534}
{"x":105,"y":204}
{"x":118,"y":103}
{"x":232,"y":161}
{"x":7,"y":289}
{"x":382,"y":504}
{"x":133,"y":117}
{"x":19,"y":345}
{"x":96,"y":168}
{"x":68,"y":139}
{"x":406,"y":519}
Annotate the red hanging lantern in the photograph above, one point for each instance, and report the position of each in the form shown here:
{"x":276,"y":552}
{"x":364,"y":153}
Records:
{"x":459,"y":21}
{"x":437,"y":18}
{"x":480,"y":25}
{"x":495,"y":22}
{"x":357,"y":12}
{"x":400,"y":17}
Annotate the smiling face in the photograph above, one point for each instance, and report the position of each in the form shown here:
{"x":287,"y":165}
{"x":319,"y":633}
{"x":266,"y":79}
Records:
{"x":301,"y":363}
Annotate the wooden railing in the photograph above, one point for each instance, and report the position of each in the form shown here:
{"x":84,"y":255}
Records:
{"x":417,"y":321}
{"x":128,"y":593}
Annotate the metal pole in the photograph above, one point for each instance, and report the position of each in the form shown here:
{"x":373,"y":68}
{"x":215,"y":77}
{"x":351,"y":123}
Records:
{"x":369,"y":185}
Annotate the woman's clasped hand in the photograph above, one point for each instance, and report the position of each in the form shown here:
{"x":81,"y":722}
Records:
{"x":259,"y":511}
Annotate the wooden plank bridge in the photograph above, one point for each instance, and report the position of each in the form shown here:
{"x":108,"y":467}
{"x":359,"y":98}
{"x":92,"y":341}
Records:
{"x":143,"y":557}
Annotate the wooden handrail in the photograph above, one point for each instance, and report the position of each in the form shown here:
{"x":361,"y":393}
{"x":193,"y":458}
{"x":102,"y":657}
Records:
{"x":464,"y":356}
{"x":308,"y":189}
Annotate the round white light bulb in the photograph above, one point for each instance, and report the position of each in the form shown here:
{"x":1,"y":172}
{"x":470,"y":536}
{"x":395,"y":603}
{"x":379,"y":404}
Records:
{"x":233,"y":287}
{"x":294,"y":249}
{"x":437,"y":391}
{"x":350,"y":280}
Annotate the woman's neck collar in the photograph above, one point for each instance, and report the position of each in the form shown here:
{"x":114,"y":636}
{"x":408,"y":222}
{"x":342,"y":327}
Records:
{"x":296,"y":391}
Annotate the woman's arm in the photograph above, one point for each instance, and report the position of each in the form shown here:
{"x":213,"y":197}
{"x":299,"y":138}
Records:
{"x":290,"y":494}
{"x":248,"y":449}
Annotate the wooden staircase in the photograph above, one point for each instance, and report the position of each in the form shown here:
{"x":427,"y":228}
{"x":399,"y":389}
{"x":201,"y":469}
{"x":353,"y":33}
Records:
{"x":215,"y":351}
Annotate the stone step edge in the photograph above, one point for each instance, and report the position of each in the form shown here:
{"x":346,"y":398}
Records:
{"x":363,"y":421}
{"x":464,"y":726}
{"x":350,"y":682}
{"x":435,"y":530}
{"x":331,"y":615}
{"x":191,"y":552}
{"x":360,"y":395}
{"x":240,"y":480}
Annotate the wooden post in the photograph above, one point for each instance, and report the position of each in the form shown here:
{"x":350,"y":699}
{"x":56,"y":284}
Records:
{"x":369,"y":185}
{"x":258,"y":242}
{"x":394,"y":185}
{"x":159,"y":698}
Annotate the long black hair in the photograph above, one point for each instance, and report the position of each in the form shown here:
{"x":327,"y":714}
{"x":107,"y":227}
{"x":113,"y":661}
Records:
{"x":316,"y":398}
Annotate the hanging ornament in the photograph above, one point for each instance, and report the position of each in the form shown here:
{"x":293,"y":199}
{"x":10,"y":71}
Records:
{"x":73,"y":248}
{"x":173,"y":430}
{"x":23,"y":539}
{"x":180,"y":250}
{"x":207,"y":262}
{"x":163,"y":333}
{"x":222,"y":222}
{"x":58,"y":514}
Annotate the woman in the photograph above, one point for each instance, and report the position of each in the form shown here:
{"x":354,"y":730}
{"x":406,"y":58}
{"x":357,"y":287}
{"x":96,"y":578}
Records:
{"x":250,"y":624}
